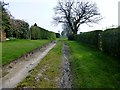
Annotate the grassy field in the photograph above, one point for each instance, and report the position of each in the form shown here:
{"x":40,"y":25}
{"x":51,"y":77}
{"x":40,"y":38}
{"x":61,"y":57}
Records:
{"x":16,"y":48}
{"x":93,"y":69}
{"x":47,"y":71}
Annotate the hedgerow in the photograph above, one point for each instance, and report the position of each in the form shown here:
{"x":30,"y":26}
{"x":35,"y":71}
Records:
{"x":40,"y":33}
{"x":107,"y":41}
{"x":111,"y":41}
{"x":92,"y":38}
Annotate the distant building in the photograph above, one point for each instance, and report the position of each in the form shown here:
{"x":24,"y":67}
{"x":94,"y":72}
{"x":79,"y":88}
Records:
{"x":119,"y":13}
{"x":2,"y":36}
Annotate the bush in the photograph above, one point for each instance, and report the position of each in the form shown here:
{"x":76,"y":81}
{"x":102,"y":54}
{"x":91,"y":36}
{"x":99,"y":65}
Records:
{"x":57,"y":35}
{"x":71,"y":37}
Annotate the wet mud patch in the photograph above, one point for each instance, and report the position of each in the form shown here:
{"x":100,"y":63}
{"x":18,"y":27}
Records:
{"x":66,"y":72}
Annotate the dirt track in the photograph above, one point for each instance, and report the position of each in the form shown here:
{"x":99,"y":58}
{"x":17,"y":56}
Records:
{"x":17,"y":71}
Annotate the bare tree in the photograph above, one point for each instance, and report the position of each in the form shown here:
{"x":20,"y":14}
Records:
{"x":76,"y":13}
{"x":67,"y":29}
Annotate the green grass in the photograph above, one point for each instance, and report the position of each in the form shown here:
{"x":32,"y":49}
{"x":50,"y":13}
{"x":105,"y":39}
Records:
{"x":51,"y":64}
{"x":11,"y":50}
{"x":93,"y":69}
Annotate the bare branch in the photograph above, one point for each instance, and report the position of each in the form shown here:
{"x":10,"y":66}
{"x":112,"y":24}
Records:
{"x":76,"y":13}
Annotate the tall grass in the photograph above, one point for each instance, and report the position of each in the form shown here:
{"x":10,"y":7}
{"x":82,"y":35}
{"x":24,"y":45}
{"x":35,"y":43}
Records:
{"x":93,"y":69}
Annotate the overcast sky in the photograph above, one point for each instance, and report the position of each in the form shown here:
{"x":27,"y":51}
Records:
{"x":41,"y":12}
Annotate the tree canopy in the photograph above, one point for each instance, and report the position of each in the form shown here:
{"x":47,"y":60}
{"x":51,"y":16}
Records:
{"x":20,"y":28}
{"x":5,"y":20}
{"x":75,"y":13}
{"x":12,"y":27}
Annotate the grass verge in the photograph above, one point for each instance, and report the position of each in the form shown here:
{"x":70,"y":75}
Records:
{"x":47,"y":73}
{"x":93,"y":69}
{"x":12,"y":50}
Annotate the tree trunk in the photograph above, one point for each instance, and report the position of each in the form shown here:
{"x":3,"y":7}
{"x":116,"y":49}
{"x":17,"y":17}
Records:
{"x":75,"y":31}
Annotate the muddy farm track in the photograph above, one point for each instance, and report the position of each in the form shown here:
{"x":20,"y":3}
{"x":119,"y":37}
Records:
{"x":18,"y":70}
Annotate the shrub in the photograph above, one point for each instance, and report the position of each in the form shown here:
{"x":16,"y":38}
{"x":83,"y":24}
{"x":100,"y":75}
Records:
{"x":57,"y":35}
{"x":71,"y":37}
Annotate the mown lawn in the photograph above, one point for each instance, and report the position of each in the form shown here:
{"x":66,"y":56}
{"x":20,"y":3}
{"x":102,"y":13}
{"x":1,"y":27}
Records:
{"x":47,"y":71}
{"x":93,"y":69}
{"x":16,"y":48}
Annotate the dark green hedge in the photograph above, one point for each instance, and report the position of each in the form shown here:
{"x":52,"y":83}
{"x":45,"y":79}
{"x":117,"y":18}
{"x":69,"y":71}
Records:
{"x":91,"y":38}
{"x":107,"y":41}
{"x":111,"y":41}
{"x":40,"y":33}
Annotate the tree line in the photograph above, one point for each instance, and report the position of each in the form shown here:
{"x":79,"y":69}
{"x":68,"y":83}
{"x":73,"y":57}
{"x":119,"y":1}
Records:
{"x":16,"y":28}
